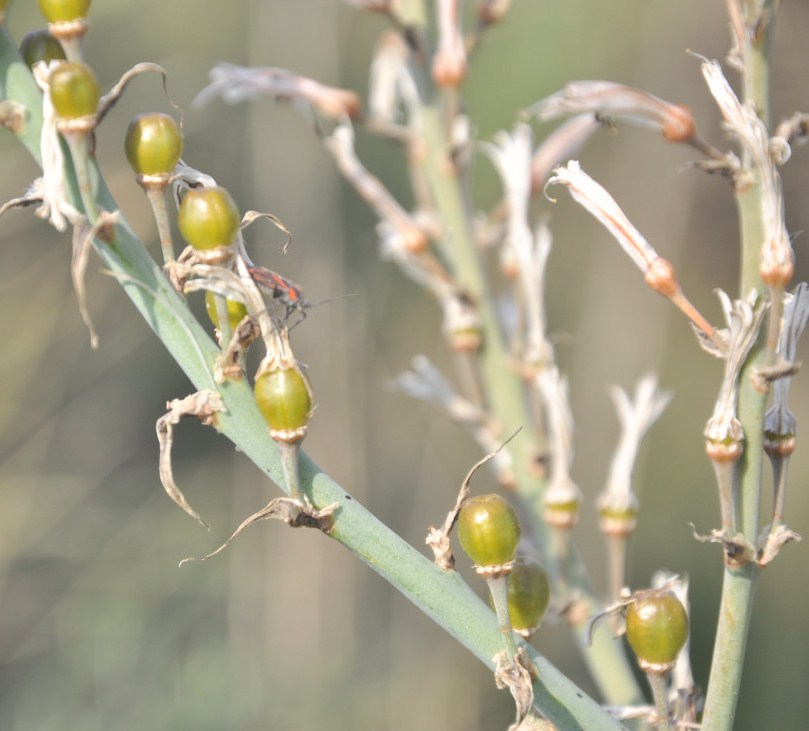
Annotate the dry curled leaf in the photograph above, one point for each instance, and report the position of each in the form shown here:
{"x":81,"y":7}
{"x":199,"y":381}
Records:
{"x":204,"y":405}
{"x":295,"y":513}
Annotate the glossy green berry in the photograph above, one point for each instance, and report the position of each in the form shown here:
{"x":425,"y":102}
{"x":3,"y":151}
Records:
{"x":60,"y":11}
{"x":208,"y":218}
{"x":528,"y":595}
{"x":284,"y":398}
{"x":489,"y":530}
{"x":236,"y":310}
{"x":40,"y":45}
{"x":153,"y":144}
{"x":656,"y":629}
{"x":74,"y":90}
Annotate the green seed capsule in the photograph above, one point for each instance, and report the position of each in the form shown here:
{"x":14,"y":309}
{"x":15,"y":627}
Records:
{"x":284,"y":398}
{"x":489,"y":530}
{"x":208,"y":217}
{"x":528,"y":595}
{"x":236,"y":310}
{"x":656,"y":629}
{"x":74,"y":90}
{"x":40,"y":45}
{"x":153,"y":144}
{"x":61,"y":11}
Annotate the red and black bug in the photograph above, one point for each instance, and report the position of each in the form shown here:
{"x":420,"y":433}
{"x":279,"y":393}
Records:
{"x":288,"y":293}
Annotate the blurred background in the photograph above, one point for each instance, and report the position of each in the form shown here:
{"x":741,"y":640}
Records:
{"x":99,"y":629}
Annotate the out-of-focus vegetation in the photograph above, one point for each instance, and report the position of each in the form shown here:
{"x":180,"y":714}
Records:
{"x":99,"y":629}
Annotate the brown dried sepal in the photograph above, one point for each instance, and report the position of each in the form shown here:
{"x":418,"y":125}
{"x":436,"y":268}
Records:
{"x":518,"y":678}
{"x":204,"y":405}
{"x":738,"y":552}
{"x":12,"y":115}
{"x":83,"y":235}
{"x":229,"y":364}
{"x":251,"y":217}
{"x":776,"y":540}
{"x":295,"y":513}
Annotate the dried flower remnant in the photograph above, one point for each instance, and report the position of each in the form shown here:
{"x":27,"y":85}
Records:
{"x":780,"y":424}
{"x":236,"y":84}
{"x":511,"y":155}
{"x":560,"y":145}
{"x":724,"y":435}
{"x":341,"y":145}
{"x":562,"y":496}
{"x":56,"y":205}
{"x":743,"y":123}
{"x":618,"y":504}
{"x":616,"y":102}
{"x":658,"y":272}
{"x":204,"y":405}
{"x":449,"y":61}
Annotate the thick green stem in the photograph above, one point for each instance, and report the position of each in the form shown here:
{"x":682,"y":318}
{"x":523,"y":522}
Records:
{"x":442,"y":595}
{"x":739,"y":583}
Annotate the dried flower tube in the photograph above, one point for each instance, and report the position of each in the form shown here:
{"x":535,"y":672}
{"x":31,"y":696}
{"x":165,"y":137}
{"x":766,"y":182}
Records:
{"x":612,"y":101}
{"x":449,"y":61}
{"x":618,"y":504}
{"x":780,"y":424}
{"x":561,"y":144}
{"x":511,"y":156}
{"x":658,"y":272}
{"x":724,"y":436}
{"x":562,"y":497}
{"x":777,"y":260}
{"x":340,"y":143}
{"x":236,"y":84}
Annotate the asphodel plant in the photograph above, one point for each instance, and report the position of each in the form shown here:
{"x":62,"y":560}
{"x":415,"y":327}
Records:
{"x":508,"y":391}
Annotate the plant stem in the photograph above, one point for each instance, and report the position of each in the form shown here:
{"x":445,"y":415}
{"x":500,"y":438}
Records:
{"x":739,"y":584}
{"x":657,"y":681}
{"x":498,"y":588}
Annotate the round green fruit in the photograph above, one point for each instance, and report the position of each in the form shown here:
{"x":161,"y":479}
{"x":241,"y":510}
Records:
{"x":236,"y":310}
{"x":153,"y":144}
{"x":489,"y":530}
{"x":208,"y":217}
{"x":74,"y":90}
{"x":285,"y":401}
{"x":656,"y":629}
{"x":62,"y":11}
{"x":528,"y":595}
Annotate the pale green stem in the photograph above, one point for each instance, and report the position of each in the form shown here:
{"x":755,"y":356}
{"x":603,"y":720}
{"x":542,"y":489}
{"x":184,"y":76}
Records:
{"x":725,"y":471}
{"x":498,"y":588}
{"x":441,"y":595}
{"x":289,"y":464}
{"x":157,"y":200}
{"x":739,"y":584}
{"x":660,"y":694}
{"x":79,"y":152}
